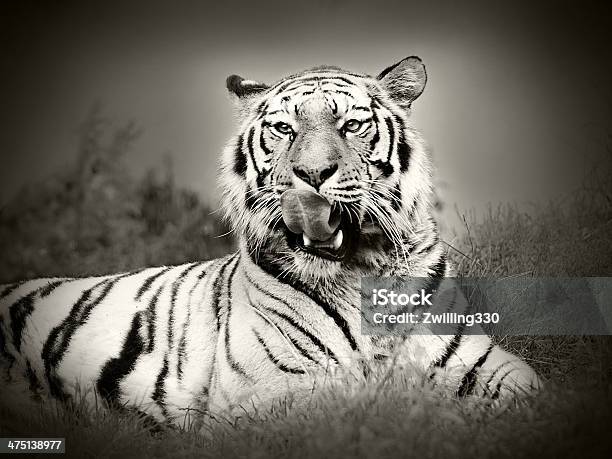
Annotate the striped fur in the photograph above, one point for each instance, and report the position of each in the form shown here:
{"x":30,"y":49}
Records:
{"x":247,"y":328}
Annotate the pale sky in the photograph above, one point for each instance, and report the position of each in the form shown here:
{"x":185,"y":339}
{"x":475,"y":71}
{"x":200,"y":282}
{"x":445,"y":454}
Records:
{"x":518,"y":98}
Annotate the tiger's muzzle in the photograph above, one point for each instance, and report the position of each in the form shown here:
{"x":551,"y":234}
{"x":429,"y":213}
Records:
{"x":318,"y":227}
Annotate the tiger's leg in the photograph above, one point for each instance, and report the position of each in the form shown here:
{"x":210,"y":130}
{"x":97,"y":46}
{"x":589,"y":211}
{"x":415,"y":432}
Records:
{"x":470,"y":365}
{"x":467,"y":360}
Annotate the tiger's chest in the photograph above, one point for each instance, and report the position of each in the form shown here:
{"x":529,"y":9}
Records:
{"x":273,"y":336}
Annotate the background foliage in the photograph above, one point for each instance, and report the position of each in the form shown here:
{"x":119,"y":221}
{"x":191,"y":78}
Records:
{"x":96,"y":218}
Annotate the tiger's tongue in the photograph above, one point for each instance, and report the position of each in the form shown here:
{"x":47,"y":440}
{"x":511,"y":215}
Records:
{"x":309,"y":213}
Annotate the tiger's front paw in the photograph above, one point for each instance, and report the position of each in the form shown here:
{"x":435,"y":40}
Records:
{"x":513,"y":379}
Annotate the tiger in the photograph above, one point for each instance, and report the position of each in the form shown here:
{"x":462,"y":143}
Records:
{"x":324,"y":182}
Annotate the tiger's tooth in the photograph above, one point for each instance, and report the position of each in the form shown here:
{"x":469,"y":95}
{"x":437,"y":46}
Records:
{"x":338,"y":240}
{"x":307,"y":240}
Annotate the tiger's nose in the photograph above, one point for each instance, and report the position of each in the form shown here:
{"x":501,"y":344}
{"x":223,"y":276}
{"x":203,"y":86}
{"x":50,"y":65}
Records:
{"x":314,"y":177}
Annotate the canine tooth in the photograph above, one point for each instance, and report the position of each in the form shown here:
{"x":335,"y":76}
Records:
{"x":307,"y":240}
{"x":338,"y":240}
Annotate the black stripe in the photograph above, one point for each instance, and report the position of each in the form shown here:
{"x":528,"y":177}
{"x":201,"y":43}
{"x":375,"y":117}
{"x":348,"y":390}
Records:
{"x":146,"y":285}
{"x":51,"y":356}
{"x":249,"y":197}
{"x":181,"y":355}
{"x":216,"y":290}
{"x":199,"y":278}
{"x":376,"y":137}
{"x":234,"y":365}
{"x":331,"y":312}
{"x":298,"y":79}
{"x":3,"y":349}
{"x":435,"y":278}
{"x":439,"y":268}
{"x":396,"y":200}
{"x":495,"y":373}
{"x":451,"y":348}
{"x":345,"y":84}
{"x":324,"y":350}
{"x":183,"y":339}
{"x":262,"y":176}
{"x":240,"y":161}
{"x":159,"y":393}
{"x":250,"y":149}
{"x":54,"y":348}
{"x":19,"y":312}
{"x":385,"y":167}
{"x":261,"y":108}
{"x":271,"y":266}
{"x":280,"y":365}
{"x":454,"y":343}
{"x":152,"y":318}
{"x":264,"y":292}
{"x":116,"y":368}
{"x":23,"y":308}
{"x":404,"y":151}
{"x":46,"y":291}
{"x":391,"y":130}
{"x":335,"y":107}
{"x":175,"y":288}
{"x":9,"y":289}
{"x":316,"y":341}
{"x":338,"y":319}
{"x":35,"y":385}
{"x":469,"y":380}
{"x":426,"y":248}
{"x":346,"y":93}
{"x":495,"y":395}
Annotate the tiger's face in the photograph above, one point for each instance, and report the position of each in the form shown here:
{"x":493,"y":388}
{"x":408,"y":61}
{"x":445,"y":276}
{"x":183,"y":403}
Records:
{"x":325,"y":172}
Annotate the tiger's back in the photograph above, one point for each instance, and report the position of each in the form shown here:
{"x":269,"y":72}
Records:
{"x":120,"y":335}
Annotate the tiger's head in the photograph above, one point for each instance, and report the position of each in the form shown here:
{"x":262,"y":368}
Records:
{"x":325,"y":172}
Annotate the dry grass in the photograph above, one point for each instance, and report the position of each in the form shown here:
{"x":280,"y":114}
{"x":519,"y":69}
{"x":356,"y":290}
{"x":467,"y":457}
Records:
{"x":379,"y":417}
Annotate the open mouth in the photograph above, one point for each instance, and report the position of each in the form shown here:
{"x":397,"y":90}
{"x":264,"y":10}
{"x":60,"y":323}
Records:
{"x":316,"y":227}
{"x":336,"y":248}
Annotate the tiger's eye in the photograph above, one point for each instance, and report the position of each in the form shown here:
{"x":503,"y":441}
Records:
{"x":283,"y":128}
{"x":352,"y":125}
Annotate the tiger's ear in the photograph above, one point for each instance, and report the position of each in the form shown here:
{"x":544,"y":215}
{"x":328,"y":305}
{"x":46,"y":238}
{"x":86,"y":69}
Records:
{"x":242,"y":88}
{"x":405,"y":80}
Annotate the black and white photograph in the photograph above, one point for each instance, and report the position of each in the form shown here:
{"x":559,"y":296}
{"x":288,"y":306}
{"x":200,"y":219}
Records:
{"x":310,"y":229}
